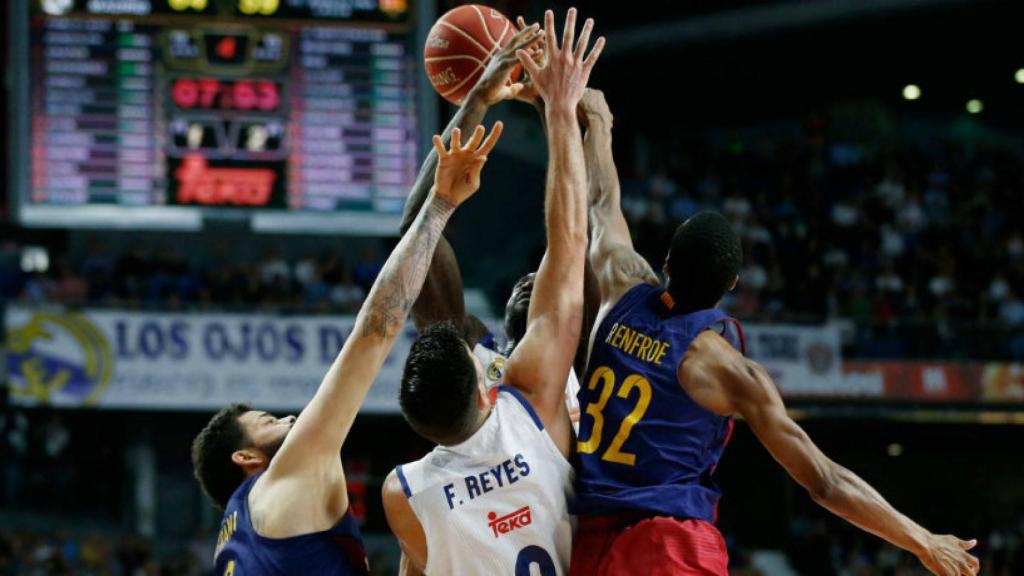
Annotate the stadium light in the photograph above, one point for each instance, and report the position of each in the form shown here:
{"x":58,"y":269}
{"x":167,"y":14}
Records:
{"x":911,"y":92}
{"x":975,"y":106}
{"x":1019,"y":76}
{"x":895,"y":449}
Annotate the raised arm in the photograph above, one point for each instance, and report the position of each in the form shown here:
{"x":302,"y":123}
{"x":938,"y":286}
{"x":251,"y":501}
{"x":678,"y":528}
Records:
{"x":722,"y":380}
{"x":442,"y":295}
{"x":616,"y":265}
{"x":316,"y":438}
{"x":540,"y":364}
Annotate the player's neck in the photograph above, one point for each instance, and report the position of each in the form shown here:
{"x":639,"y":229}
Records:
{"x":482,"y":417}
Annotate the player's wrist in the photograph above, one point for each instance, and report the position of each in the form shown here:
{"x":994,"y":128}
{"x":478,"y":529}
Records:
{"x":597,"y":121}
{"x":477,"y":99}
{"x":919,"y":542}
{"x":560,"y":111}
{"x":440,"y":205}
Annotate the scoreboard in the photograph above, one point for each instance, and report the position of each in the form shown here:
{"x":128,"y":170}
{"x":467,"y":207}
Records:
{"x":295,"y":115}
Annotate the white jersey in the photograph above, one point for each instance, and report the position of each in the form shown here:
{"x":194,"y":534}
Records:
{"x":496,"y":503}
{"x":494,"y":371}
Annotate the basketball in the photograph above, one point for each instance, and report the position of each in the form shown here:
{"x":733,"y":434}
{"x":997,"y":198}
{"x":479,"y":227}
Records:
{"x":460,"y":45}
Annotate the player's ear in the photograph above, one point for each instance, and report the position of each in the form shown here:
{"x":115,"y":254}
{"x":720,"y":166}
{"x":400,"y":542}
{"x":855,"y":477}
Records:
{"x":664,"y":269}
{"x":249,"y":460}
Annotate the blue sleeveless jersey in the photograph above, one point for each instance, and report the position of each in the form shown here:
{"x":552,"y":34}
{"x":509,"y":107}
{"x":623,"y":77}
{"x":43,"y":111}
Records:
{"x":644,"y":445}
{"x":243,"y":552}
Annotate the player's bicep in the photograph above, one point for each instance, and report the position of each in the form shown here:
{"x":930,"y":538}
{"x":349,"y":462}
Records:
{"x":540,"y":365}
{"x":759,"y":402}
{"x":404,"y":525}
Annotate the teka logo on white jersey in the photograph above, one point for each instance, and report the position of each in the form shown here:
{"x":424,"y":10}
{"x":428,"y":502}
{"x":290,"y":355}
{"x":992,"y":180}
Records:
{"x":519,"y":519}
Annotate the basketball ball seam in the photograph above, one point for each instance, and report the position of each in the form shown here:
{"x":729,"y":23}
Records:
{"x":430,"y":59}
{"x":467,"y":36}
{"x":503,"y":33}
{"x":464,"y":80}
{"x":487,"y":29}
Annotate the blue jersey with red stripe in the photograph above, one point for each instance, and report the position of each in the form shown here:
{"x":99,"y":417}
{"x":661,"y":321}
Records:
{"x":241,"y":551}
{"x":644,"y":445}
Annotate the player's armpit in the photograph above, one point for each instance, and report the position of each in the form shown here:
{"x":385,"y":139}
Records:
{"x":405,"y":526}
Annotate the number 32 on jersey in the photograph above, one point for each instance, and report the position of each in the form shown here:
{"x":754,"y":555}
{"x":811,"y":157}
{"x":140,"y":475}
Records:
{"x":605,"y":378}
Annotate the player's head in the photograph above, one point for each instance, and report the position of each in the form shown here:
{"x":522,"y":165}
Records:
{"x":235,"y":444}
{"x":517,"y":307}
{"x":703,"y":262}
{"x":443,"y":391}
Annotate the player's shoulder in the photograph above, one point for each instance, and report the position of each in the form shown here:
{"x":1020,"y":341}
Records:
{"x":709,"y":351}
{"x":393,"y":486}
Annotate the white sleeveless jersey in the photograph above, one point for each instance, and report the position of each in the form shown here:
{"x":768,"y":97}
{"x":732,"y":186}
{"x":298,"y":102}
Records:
{"x":497,"y":503}
{"x":494,"y":371}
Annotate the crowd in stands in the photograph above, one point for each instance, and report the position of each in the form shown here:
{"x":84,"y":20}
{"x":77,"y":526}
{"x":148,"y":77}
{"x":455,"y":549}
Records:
{"x":824,"y":546}
{"x":923,"y":233}
{"x":165,"y":278}
{"x":916,"y":243}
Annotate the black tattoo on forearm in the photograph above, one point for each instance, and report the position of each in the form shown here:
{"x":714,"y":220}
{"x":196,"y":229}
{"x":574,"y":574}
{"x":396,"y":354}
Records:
{"x":401,"y":280}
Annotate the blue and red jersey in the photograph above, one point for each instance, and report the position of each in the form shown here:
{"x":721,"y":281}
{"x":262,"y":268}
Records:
{"x":644,"y":445}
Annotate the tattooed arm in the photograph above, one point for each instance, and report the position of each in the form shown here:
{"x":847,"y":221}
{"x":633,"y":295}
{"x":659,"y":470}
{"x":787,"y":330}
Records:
{"x":308,"y":463}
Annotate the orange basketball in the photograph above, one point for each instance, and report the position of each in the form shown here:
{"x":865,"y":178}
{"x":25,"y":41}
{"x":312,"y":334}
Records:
{"x":460,"y":45}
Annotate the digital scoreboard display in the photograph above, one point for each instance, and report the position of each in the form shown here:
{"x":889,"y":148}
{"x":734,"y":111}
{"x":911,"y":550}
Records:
{"x":297,"y":115}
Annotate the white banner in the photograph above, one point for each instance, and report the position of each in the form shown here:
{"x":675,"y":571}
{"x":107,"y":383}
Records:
{"x":204,"y":361}
{"x":803,"y":360}
{"x":192,"y":361}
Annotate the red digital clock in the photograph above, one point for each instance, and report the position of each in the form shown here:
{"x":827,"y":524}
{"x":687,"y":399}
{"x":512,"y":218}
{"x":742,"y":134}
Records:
{"x":211,"y":93}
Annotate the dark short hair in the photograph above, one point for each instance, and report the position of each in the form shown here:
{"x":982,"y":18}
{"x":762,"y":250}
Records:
{"x":218,"y":476}
{"x":705,"y":257}
{"x":439,"y":384}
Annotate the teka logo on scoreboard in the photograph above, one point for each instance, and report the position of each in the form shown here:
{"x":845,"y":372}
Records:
{"x":200,"y":184}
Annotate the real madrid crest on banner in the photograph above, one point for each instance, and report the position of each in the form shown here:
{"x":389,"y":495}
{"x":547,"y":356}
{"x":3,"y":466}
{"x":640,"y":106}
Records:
{"x":58,"y":352}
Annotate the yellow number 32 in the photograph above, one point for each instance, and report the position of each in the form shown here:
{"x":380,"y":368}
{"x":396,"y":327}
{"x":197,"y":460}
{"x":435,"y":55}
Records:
{"x":606,"y":378}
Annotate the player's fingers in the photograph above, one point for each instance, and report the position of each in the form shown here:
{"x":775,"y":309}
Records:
{"x":549,"y":30}
{"x":492,"y":140}
{"x":513,"y":90}
{"x":456,"y":142}
{"x":588,"y":64}
{"x":974,"y":564}
{"x":526,"y":42}
{"x":528,"y":64}
{"x":581,"y":44}
{"x":439,"y":146}
{"x":968,"y":544}
{"x":475,"y":169}
{"x":570,"y":31}
{"x":474,"y":139}
{"x":523,"y":38}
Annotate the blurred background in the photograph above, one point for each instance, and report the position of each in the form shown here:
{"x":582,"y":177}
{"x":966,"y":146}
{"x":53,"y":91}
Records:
{"x":200,"y":192}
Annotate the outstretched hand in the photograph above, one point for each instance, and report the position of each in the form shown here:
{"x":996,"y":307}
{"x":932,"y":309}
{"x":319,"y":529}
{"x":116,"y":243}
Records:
{"x":458,"y":168}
